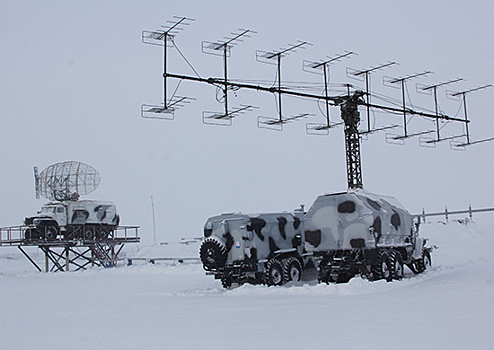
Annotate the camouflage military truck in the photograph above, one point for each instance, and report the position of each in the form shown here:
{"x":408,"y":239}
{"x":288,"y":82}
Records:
{"x":343,"y":234}
{"x":67,"y":220}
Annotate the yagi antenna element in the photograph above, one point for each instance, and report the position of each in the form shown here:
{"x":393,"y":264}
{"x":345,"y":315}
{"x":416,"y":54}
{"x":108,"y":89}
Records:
{"x":274,"y":57}
{"x":223,"y":48}
{"x":364,"y":76}
{"x":463,"y":95}
{"x":401,"y":83}
{"x":164,"y":37}
{"x":322,"y":67}
{"x":428,"y":89}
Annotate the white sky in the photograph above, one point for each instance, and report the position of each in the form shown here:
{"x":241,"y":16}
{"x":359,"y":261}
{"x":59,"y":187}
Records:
{"x":74,"y":74}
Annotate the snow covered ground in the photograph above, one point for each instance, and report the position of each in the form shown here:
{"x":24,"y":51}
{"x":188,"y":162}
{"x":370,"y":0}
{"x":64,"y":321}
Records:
{"x":166,"y":306}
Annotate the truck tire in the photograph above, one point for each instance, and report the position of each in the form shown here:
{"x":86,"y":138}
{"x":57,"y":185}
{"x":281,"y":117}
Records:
{"x":424,"y":262}
{"x":273,"y":273}
{"x":48,"y":233}
{"x":31,"y":235}
{"x":102,"y":233}
{"x":396,"y":261}
{"x":383,"y":269}
{"x":88,"y":233}
{"x":292,"y":270}
{"x":213,"y":254}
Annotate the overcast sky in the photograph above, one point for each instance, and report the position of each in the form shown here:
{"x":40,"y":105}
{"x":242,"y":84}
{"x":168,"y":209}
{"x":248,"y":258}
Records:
{"x":74,"y":74}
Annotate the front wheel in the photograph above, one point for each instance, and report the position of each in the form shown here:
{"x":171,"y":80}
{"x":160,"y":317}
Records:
{"x":49,"y":233}
{"x":424,"y":262}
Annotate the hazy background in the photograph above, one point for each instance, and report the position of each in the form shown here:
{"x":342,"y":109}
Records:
{"x":74,"y":74}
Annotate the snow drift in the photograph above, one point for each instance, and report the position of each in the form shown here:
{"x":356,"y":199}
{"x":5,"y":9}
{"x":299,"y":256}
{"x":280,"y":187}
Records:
{"x":176,"y":306}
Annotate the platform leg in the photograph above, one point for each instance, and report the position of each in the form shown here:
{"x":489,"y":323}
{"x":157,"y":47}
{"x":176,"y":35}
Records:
{"x":67,"y":260}
{"x":47,"y":262}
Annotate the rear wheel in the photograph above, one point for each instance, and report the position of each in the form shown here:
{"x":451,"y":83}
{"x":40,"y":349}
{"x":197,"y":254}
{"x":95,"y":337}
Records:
{"x":102,"y":233}
{"x":292,"y":271}
{"x":274,"y":273}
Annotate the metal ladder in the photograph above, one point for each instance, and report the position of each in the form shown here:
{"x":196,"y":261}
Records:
{"x":102,"y":255}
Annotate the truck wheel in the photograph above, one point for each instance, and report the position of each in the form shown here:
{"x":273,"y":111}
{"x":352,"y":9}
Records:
{"x":424,"y":262}
{"x":49,"y":233}
{"x":292,"y":270}
{"x":274,"y":273}
{"x":30,"y":235}
{"x":413,"y":267}
{"x":426,"y":258}
{"x":384,"y":268}
{"x":102,"y":233}
{"x":88,"y":233}
{"x":396,"y":265}
{"x":213,"y":254}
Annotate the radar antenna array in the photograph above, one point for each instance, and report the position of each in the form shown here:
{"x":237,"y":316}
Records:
{"x":66,"y":181}
{"x":348,"y":103}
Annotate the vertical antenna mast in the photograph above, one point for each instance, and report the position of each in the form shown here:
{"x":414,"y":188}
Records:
{"x":36,"y":182}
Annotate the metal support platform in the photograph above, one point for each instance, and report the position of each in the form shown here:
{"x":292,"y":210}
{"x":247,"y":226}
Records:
{"x":71,"y":254}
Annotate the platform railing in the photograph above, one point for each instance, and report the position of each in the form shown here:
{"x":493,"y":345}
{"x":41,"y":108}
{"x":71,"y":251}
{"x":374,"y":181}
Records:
{"x":447,"y":213}
{"x":30,"y":235}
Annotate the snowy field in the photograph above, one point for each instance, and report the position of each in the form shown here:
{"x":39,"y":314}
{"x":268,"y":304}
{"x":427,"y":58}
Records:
{"x":165,"y":306}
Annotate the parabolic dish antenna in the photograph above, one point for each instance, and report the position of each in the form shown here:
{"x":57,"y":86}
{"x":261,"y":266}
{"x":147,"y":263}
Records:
{"x":66,"y":181}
